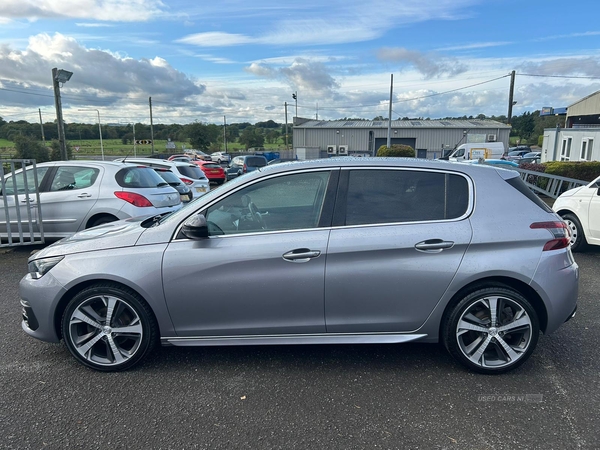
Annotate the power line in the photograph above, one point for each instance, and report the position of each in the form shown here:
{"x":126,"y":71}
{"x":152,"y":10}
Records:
{"x":558,"y":76}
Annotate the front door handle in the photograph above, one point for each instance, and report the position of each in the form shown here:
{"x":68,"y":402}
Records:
{"x":84,"y":195}
{"x":300,"y":255}
{"x":433,"y":245}
{"x":28,"y":200}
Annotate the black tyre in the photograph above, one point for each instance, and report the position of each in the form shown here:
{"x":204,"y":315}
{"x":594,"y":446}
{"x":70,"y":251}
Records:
{"x":102,"y":220}
{"x":578,"y":241}
{"x":492,"y":330}
{"x":108,"y":327}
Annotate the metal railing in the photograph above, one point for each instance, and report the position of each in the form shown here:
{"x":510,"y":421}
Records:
{"x":547,"y":184}
{"x":20,"y":210}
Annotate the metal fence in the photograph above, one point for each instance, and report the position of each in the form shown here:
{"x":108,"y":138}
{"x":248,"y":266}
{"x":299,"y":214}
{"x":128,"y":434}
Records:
{"x":20,"y":211}
{"x":549,"y":185}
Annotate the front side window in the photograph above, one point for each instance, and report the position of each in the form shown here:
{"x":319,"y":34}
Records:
{"x":21,"y":180}
{"x":284,"y":203}
{"x":390,"y":196}
{"x":68,"y":178}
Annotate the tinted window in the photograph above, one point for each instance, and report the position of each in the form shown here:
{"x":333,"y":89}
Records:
{"x":72,"y":177}
{"x":21,"y":179}
{"x":193,"y":172}
{"x":283,"y":203}
{"x":138,"y":177}
{"x":169,"y":177}
{"x":389,"y":196}
{"x":211,"y":166}
{"x":254,"y":161}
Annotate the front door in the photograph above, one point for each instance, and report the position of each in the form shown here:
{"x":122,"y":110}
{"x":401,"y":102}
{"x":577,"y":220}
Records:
{"x":262,"y":269}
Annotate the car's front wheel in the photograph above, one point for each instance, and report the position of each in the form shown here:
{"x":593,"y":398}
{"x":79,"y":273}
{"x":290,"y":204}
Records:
{"x":108,"y":327}
{"x":578,"y":241}
{"x":491,"y":330}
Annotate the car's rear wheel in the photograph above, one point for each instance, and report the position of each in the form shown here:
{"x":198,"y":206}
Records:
{"x":491,"y":330}
{"x":578,"y":242}
{"x":108,"y":327}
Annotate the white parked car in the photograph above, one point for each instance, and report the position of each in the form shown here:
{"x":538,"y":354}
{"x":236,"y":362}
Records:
{"x":580,"y":209}
{"x":221,"y":157}
{"x":187,"y":172}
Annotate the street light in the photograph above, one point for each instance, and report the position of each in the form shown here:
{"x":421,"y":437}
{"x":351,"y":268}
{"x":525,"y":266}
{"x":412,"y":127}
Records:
{"x":295,"y":97}
{"x":99,"y":129}
{"x":60,"y":77}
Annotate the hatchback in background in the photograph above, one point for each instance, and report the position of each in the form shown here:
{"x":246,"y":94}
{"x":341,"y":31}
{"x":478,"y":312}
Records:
{"x":580,"y":209}
{"x":221,"y":157}
{"x":515,"y":155}
{"x":245,"y":163}
{"x":213,"y":171}
{"x":76,"y":195}
{"x":185,"y":194}
{"x":330,"y":251}
{"x":187,"y":172}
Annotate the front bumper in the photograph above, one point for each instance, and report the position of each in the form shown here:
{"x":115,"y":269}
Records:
{"x":39,"y":300}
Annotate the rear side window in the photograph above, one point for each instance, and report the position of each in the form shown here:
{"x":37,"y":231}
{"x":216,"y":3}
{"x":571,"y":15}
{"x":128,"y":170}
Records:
{"x":193,"y":172}
{"x":390,"y":196}
{"x":138,"y":177}
{"x":254,"y":161}
{"x":520,"y":186}
{"x":73,"y":177}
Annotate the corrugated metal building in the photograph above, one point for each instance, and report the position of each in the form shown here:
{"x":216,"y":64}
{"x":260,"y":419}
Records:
{"x":364,"y":137}
{"x":580,"y":140}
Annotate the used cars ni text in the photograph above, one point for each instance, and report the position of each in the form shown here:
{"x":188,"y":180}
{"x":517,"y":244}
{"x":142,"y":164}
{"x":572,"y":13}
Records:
{"x":365,"y":250}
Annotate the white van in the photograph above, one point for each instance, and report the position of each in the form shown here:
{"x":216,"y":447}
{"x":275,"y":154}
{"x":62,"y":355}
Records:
{"x":487,"y":150}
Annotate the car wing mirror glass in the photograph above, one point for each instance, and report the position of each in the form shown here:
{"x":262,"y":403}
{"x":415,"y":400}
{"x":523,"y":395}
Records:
{"x":195,"y":227}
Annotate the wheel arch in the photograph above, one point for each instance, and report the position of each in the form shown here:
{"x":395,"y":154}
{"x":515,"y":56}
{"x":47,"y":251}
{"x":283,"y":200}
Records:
{"x":76,"y":289}
{"x":498,"y":281}
{"x":97,"y":216}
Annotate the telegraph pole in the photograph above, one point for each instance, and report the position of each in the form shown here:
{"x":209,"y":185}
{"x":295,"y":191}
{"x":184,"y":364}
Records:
{"x":286,"y":128}
{"x":510,"y":96}
{"x":151,"y":125}
{"x":389,"y":134}
{"x":42,"y":127}
{"x":225,"y":132}
{"x":59,"y":116}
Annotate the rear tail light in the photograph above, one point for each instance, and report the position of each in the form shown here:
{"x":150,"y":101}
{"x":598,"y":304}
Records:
{"x":245,"y":169}
{"x":187,"y":181}
{"x":560,"y":232}
{"x":134,"y":199}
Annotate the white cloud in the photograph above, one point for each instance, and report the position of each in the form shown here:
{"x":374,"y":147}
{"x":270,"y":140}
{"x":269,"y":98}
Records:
{"x":475,"y":45}
{"x":104,"y":10}
{"x":99,"y":77}
{"x":93,"y":25}
{"x":429,"y":65}
{"x":216,"y":39}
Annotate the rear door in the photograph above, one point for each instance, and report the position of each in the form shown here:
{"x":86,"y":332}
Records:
{"x":398,"y":239}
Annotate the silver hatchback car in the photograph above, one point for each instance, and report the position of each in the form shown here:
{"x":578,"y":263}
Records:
{"x":340,"y":250}
{"x":75,"y":195}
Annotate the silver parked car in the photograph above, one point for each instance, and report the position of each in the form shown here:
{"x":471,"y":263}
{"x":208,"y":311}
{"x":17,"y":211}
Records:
{"x":341,"y":250}
{"x":187,"y":172}
{"x":76,"y":195}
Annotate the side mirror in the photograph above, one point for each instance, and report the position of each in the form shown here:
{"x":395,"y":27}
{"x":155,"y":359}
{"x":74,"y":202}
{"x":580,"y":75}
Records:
{"x":195,"y":227}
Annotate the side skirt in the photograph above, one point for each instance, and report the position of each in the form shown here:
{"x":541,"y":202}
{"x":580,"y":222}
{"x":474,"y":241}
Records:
{"x":292,"y":339}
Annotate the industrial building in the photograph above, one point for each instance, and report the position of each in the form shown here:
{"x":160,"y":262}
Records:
{"x":580,"y":139}
{"x":319,"y":138}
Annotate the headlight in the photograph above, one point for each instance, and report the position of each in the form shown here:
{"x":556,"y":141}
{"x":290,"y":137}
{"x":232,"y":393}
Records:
{"x":39,"y":267}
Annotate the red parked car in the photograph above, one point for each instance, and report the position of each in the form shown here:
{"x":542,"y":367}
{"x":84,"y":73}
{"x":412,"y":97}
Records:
{"x":213,"y":171}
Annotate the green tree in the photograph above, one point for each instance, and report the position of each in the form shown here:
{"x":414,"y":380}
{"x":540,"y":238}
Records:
{"x":29,"y":148}
{"x":251,"y":137}
{"x":198,"y":135}
{"x":396,"y":150}
{"x":55,"y":150}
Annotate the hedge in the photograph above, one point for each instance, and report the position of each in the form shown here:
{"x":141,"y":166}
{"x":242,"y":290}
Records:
{"x":396,"y":150}
{"x":586,"y":171}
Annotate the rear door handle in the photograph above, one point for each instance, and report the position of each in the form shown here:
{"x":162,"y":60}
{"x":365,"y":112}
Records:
{"x":84,"y":195}
{"x":433,"y":245}
{"x":300,"y":255}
